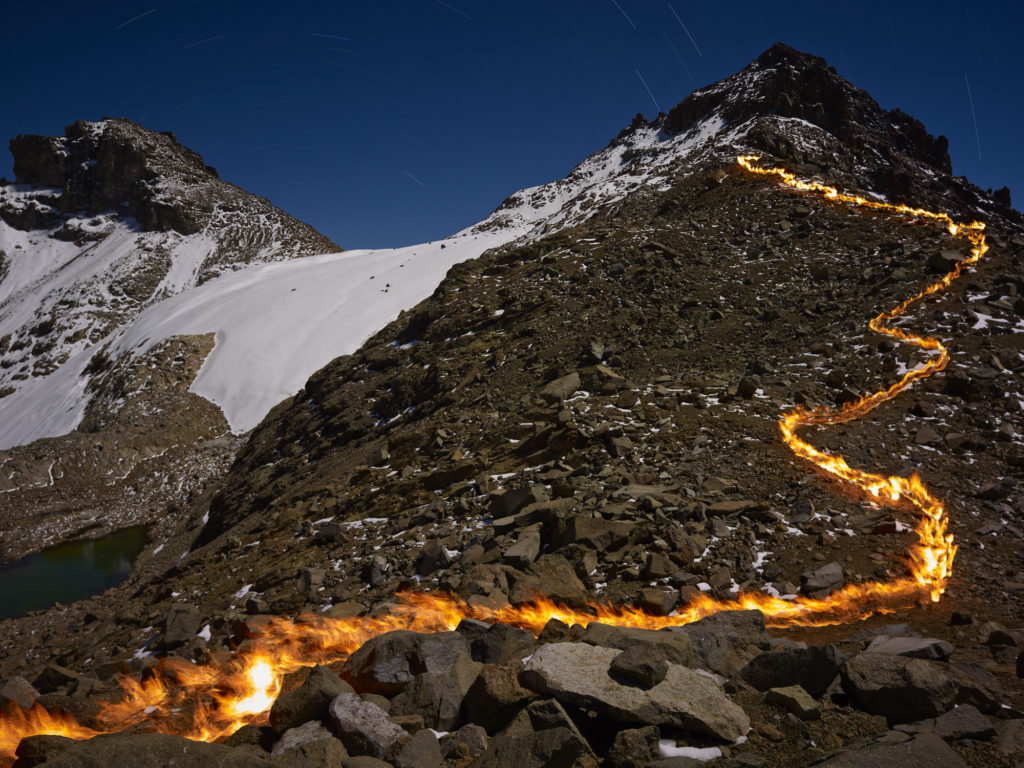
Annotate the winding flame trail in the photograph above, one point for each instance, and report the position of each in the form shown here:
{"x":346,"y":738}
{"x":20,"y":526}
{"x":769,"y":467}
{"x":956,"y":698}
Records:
{"x":211,"y":700}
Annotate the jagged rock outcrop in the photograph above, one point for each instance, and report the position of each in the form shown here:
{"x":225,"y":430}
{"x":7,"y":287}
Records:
{"x":117,"y":165}
{"x":789,"y":83}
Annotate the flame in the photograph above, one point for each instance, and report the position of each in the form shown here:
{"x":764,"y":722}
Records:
{"x":212,"y":700}
{"x":17,"y":723}
{"x":931,"y":559}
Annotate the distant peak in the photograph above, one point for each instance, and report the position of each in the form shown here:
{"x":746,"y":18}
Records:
{"x":115,"y":164}
{"x":780,"y":53}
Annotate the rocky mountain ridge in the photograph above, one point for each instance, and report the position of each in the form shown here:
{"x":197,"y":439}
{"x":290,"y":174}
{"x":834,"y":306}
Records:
{"x":115,"y":165}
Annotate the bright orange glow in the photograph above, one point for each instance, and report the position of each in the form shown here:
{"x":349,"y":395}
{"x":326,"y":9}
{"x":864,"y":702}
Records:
{"x":212,"y":700}
{"x":17,"y":723}
{"x":931,"y":559}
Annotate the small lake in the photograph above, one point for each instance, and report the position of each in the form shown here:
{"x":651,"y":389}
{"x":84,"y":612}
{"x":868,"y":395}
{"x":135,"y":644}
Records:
{"x":68,"y":572}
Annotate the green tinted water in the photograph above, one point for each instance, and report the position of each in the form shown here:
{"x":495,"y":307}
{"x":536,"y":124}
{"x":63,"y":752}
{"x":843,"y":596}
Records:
{"x":68,"y":572}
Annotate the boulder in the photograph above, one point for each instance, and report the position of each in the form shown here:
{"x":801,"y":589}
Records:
{"x":964,"y":722}
{"x":526,"y":548}
{"x":620,"y":447}
{"x":53,"y":678}
{"x":438,"y":698}
{"x":658,"y":567}
{"x":495,"y":698}
{"x":724,"y":642}
{"x":387,"y":663}
{"x":411,"y":724}
{"x":944,"y":260}
{"x":19,"y":691}
{"x":434,"y":556}
{"x":926,"y":750}
{"x":1009,"y":737}
{"x":976,"y":686}
{"x":467,"y":742}
{"x":381,"y":701}
{"x":688,"y":545}
{"x":639,"y":666}
{"x":309,"y":744}
{"x":674,"y":647}
{"x":501,"y":644}
{"x":520,"y":746}
{"x":310,"y":581}
{"x":551,"y":576}
{"x":549,"y":713}
{"x":813,"y":669}
{"x":898,"y":688}
{"x":794,"y":699}
{"x":37,"y":750}
{"x":914,"y":647}
{"x":310,"y":701}
{"x":578,"y":674}
{"x":364,"y":728}
{"x":503,"y":505}
{"x":634,"y":748}
{"x":747,"y":387}
{"x":656,"y":601}
{"x":820,"y":582}
{"x":262,"y":737}
{"x":561,"y":388}
{"x":421,"y":751}
{"x":594,"y":532}
{"x":181,"y":625}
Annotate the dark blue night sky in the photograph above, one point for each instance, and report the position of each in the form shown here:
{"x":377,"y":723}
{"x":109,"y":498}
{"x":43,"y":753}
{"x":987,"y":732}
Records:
{"x":388,"y":123}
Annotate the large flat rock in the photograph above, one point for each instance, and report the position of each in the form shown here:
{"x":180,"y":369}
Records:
{"x":143,"y":750}
{"x":577,"y":673}
{"x":925,"y":751}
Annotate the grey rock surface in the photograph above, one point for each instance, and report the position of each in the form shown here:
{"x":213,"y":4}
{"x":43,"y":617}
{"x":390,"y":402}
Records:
{"x":364,"y":728}
{"x":577,"y":673}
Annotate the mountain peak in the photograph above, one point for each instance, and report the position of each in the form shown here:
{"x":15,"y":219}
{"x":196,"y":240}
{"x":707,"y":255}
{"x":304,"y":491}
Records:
{"x":788,"y":83}
{"x":782,"y":53}
{"x":116,"y":165}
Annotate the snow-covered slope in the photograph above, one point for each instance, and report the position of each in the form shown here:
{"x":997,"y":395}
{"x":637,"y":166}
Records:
{"x":277,"y":323}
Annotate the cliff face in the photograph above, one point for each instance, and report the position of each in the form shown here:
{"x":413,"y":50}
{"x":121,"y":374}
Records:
{"x":117,"y":165}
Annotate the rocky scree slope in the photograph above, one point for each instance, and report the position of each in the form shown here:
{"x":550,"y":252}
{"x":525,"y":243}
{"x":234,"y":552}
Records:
{"x":591,"y":415}
{"x":628,"y":455}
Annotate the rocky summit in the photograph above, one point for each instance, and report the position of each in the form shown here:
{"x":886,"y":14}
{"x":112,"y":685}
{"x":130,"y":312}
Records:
{"x":545,"y":516}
